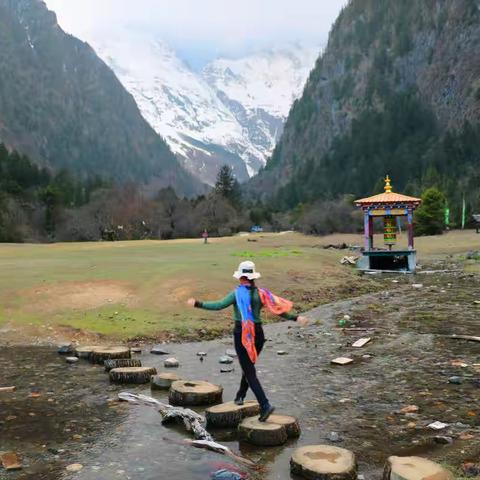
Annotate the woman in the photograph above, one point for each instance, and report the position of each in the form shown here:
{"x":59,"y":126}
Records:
{"x":248,"y":300}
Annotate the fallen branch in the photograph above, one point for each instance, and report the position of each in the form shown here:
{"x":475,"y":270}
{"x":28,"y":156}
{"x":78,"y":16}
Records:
{"x":466,"y":337}
{"x":192,"y":421}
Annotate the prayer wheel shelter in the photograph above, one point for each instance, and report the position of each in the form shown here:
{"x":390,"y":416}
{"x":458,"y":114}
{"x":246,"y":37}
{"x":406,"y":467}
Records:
{"x":391,"y":206}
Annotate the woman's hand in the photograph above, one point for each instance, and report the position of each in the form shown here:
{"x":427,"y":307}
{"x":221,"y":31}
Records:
{"x":302,"y":321}
{"x":191,"y":302}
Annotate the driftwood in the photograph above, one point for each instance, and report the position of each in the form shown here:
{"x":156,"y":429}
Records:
{"x":121,"y":363}
{"x":466,"y":337}
{"x":192,"y":421}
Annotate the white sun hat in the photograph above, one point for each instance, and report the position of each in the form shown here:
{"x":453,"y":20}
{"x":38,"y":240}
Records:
{"x":247,"y":269}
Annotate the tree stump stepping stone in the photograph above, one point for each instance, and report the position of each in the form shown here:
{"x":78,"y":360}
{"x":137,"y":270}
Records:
{"x":99,"y":355}
{"x":120,"y":363}
{"x":163,"y":381}
{"x":290,"y":423}
{"x":324,"y":462}
{"x":132,"y":374}
{"x":194,"y":393}
{"x":414,"y":468}
{"x":229,"y":415}
{"x":264,"y":434}
{"x":84,"y":351}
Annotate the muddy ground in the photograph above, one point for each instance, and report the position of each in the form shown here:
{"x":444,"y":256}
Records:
{"x":62,"y":414}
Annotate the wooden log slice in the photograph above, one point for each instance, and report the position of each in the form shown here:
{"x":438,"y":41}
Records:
{"x":229,"y":415}
{"x":120,"y":363}
{"x":413,"y":468}
{"x":290,"y":423}
{"x":264,"y":434}
{"x":163,"y":381}
{"x":324,"y":462}
{"x":84,"y":351}
{"x":132,"y":374}
{"x":99,"y":355}
{"x":194,"y":393}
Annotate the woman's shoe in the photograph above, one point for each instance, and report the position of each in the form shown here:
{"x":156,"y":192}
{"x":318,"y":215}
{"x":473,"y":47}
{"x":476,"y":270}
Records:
{"x":238,"y":401}
{"x":266,"y":412}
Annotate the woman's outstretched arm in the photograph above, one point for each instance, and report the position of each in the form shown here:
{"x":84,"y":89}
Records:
{"x":217,"y":305}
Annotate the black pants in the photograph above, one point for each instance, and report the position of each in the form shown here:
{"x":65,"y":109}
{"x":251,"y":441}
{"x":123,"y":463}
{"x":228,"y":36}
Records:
{"x":249,"y":377}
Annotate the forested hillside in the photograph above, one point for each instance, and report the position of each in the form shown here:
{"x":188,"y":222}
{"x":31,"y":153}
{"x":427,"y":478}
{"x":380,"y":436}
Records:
{"x":397,"y":91}
{"x":64,"y":108}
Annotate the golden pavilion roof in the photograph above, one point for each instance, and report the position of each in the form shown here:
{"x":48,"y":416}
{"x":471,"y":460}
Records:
{"x":388,"y":197}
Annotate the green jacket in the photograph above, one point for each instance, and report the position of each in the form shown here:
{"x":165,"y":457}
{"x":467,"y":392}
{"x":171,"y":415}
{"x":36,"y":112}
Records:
{"x":230,"y":299}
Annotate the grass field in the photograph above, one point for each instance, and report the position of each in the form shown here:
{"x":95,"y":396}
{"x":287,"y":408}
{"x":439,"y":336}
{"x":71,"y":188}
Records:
{"x":138,"y":289}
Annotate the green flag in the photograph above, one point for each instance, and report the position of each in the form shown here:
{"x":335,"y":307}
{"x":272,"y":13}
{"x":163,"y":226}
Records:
{"x":464,"y":209}
{"x":447,"y":216}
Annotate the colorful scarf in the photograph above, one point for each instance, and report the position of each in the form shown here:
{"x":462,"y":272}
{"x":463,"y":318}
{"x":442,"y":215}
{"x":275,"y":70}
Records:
{"x":275,"y":304}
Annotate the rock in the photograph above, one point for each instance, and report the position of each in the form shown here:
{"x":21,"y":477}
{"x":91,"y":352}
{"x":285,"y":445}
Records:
{"x":226,"y":369}
{"x":74,"y":467}
{"x":201,"y":354}
{"x":159,"y":350}
{"x":324,"y":462}
{"x":414,"y":468}
{"x":226,"y":360}
{"x":99,"y":355}
{"x":65,"y":349}
{"x":417,"y":285}
{"x":71,"y":360}
{"x":267,"y":434}
{"x":455,"y":380}
{"x":437,"y":425}
{"x":10,"y":461}
{"x":282,"y":352}
{"x":136,"y":350}
{"x":361,"y":342}
{"x":334,"y":437}
{"x":194,"y":393}
{"x":171,"y":363}
{"x":137,"y":375}
{"x":226,"y":475}
{"x":442,"y":440}
{"x":121,"y":363}
{"x":410,"y":409}
{"x":342,"y":361}
{"x":231,"y":353}
{"x":163,"y":381}
{"x":229,"y":415}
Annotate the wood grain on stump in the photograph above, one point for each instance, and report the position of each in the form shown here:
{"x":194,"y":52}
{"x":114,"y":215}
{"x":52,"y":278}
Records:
{"x":132,"y":374}
{"x":290,"y":423}
{"x":265,"y":434}
{"x":121,"y":363}
{"x":229,"y":415}
{"x":84,"y":351}
{"x":414,"y":468}
{"x":324,"y":462}
{"x":193,"y":393}
{"x":99,"y":355}
{"x":163,"y":381}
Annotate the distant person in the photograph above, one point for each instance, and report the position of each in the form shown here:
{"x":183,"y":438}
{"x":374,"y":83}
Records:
{"x":205,"y":236}
{"x":248,"y":300}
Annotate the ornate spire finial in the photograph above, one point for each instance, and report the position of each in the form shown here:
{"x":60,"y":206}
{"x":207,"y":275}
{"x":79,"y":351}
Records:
{"x":388,"y":187}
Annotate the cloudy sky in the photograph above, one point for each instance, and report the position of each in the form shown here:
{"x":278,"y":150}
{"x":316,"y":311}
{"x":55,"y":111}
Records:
{"x":202,"y":29}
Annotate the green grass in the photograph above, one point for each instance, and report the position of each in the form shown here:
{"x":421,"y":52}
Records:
{"x":131,"y":289}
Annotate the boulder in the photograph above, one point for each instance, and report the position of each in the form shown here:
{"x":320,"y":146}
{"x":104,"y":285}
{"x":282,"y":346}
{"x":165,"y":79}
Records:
{"x":159,"y":350}
{"x":323,"y":462}
{"x":414,"y":468}
{"x":171,"y":363}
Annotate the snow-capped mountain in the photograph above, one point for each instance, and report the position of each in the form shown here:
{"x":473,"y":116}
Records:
{"x":230,"y":113}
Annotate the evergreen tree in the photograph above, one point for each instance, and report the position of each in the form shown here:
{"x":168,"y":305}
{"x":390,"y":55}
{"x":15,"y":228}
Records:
{"x":431,"y":214}
{"x":227,"y":185}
